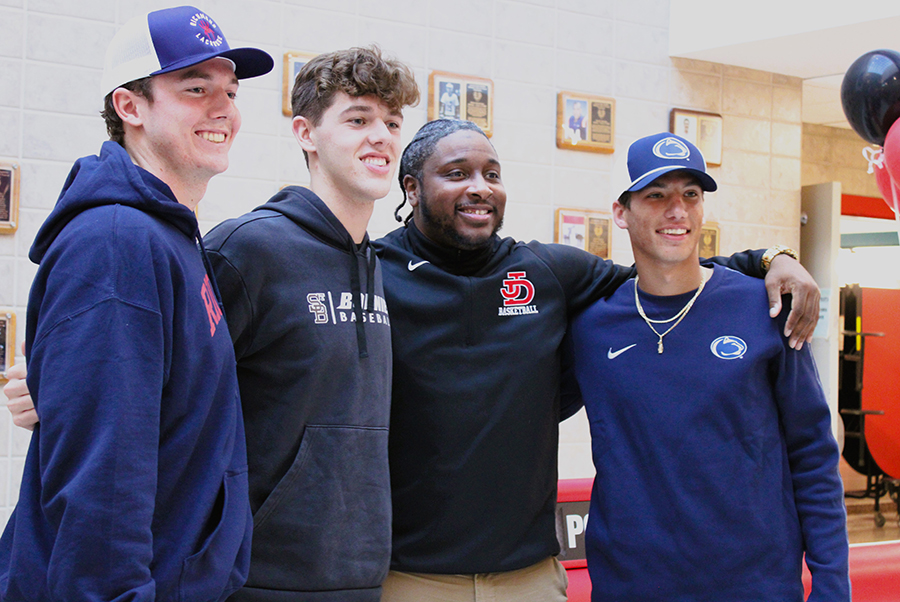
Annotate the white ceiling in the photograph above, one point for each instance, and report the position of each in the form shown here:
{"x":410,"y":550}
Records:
{"x":819,"y":56}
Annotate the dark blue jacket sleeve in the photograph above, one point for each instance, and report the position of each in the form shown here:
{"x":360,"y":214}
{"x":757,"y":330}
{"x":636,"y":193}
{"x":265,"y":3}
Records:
{"x":747,"y":262}
{"x":96,"y":377}
{"x":813,"y":456}
{"x":585,"y":277}
{"x":570,"y":393}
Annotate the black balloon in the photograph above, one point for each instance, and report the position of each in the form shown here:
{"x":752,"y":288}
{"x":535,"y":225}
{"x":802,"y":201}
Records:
{"x":870,"y":94}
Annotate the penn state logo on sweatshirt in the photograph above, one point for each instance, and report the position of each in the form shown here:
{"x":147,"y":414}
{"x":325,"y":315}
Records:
{"x":518,"y":293}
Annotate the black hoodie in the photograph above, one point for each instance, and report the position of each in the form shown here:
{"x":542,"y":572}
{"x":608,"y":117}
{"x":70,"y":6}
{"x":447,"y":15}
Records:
{"x":314,"y":368}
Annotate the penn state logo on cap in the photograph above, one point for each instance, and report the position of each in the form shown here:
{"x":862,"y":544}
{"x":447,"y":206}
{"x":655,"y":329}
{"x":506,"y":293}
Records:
{"x":671,"y":148}
{"x":653,"y":156}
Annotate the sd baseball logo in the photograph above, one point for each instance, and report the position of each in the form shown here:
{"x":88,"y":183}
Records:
{"x":518,"y":293}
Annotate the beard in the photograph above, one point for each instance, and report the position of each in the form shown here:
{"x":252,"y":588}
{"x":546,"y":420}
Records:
{"x":442,"y":227}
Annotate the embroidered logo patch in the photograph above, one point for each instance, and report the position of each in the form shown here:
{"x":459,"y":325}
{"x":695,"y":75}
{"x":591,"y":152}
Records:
{"x":326,"y":309}
{"x":208,"y":30}
{"x":728,"y":348}
{"x":212,"y":305}
{"x":518,"y":293}
{"x":671,"y":148}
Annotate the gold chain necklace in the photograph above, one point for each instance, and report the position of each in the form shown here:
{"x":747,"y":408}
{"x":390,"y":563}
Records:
{"x":677,"y":317}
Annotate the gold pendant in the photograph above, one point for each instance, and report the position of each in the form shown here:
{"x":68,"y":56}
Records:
{"x":659,"y":347}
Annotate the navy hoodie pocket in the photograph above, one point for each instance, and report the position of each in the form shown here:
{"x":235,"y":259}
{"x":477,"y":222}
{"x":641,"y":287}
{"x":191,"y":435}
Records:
{"x":221,"y":565}
{"x":327,"y":524}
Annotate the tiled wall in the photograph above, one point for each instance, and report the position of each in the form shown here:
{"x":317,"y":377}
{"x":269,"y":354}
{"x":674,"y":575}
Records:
{"x":836,"y":155}
{"x":51,"y":52}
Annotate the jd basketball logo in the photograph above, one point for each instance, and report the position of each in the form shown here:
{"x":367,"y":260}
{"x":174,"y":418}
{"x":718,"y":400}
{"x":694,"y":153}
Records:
{"x":518,"y":293}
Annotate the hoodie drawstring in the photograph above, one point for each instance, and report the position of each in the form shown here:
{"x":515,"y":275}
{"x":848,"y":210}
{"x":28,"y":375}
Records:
{"x":209,"y":271}
{"x":356,"y":291}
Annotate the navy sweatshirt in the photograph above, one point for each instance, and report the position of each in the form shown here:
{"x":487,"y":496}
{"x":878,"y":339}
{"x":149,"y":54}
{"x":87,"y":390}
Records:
{"x":716,"y":467}
{"x":305,"y":306}
{"x":135,"y":482}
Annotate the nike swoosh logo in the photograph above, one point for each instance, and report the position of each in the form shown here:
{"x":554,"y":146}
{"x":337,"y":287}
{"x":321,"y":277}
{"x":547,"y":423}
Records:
{"x":614,"y":354}
{"x":413,"y":266}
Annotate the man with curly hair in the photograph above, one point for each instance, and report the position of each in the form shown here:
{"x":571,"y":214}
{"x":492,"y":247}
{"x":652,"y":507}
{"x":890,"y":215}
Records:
{"x":305,"y":306}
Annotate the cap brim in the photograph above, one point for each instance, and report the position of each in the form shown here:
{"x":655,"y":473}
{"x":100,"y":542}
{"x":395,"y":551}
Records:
{"x":706,"y":182}
{"x":248,"y":62}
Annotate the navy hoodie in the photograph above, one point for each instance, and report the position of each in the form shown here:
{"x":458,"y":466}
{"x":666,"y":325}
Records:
{"x":135,"y":483}
{"x":305,"y":306}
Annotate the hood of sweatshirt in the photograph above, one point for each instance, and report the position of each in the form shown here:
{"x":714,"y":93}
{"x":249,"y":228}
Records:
{"x":91,"y":184}
{"x":314,"y":216}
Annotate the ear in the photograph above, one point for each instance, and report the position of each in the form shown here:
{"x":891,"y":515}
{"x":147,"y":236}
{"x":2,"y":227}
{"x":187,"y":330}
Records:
{"x":129,"y":106}
{"x":303,"y":132}
{"x":619,"y":215}
{"x":411,"y":186}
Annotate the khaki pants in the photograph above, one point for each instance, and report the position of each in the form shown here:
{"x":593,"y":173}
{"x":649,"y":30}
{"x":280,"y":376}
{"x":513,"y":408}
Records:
{"x":542,"y":582}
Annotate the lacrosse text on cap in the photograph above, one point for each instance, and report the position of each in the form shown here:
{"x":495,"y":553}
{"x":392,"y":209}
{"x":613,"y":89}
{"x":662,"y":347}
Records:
{"x":171,"y":39}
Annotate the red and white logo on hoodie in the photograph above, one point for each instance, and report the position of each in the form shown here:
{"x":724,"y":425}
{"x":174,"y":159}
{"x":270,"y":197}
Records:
{"x":517,"y":290}
{"x":212,"y":306}
{"x":518,"y":293}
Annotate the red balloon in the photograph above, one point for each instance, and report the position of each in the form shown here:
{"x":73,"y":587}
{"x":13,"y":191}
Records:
{"x":886,"y":185}
{"x":887,"y":175}
{"x":891,"y":151}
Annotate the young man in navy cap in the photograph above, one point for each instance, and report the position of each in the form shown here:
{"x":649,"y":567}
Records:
{"x":716,"y":465}
{"x":135,"y":483}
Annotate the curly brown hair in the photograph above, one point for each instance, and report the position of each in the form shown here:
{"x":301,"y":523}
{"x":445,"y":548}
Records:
{"x":114,"y":127}
{"x":356,"y":72}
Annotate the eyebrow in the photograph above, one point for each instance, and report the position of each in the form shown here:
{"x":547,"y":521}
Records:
{"x":200,"y":74}
{"x":368,"y":109}
{"x":465,"y":159}
{"x":657,"y":184}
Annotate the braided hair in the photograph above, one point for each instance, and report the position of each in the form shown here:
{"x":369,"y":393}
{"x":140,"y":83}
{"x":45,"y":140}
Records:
{"x":422,"y":147}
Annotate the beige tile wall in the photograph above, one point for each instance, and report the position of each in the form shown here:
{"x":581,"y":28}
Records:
{"x":835,"y":155}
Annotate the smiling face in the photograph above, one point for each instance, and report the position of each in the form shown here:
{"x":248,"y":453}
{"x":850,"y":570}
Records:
{"x":353,"y":151}
{"x":461,"y":199}
{"x":184,"y":135}
{"x":664,"y":221}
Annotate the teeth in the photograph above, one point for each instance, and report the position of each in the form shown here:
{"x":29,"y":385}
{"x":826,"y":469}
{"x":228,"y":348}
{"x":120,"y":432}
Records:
{"x":213,"y":136}
{"x":379,"y":161}
{"x":674,"y":231}
{"x":476,"y":211}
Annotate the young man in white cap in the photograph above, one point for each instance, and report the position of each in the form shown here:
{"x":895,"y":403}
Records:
{"x":135,"y":483}
{"x":716,"y":465}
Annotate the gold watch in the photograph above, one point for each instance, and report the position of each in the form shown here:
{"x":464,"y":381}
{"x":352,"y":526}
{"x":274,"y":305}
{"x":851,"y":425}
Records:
{"x":772,"y":252}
